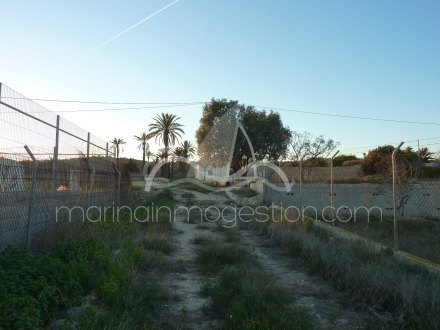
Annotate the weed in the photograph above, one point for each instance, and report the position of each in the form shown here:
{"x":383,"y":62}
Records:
{"x":215,"y":256}
{"x":253,"y":301}
{"x":409,"y":294}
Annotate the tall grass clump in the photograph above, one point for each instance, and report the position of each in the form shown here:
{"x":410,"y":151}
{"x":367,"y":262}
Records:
{"x":397,"y":294}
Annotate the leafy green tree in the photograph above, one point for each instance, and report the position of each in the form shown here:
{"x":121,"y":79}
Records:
{"x":117,"y":144}
{"x":268,"y":136}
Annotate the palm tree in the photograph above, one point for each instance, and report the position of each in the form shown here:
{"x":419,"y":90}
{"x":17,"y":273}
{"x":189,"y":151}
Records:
{"x":161,"y":155}
{"x":143,"y":138}
{"x":166,"y":129}
{"x":178,"y":152}
{"x":188,"y":149}
{"x":117,"y":147}
{"x":425,"y":155}
{"x":149,"y":154}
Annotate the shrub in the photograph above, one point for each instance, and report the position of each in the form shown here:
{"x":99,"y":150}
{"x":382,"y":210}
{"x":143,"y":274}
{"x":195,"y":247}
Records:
{"x":34,"y":288}
{"x":253,"y":301}
{"x":216,"y":256}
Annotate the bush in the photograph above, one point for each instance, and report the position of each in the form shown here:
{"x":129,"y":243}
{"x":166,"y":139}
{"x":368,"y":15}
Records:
{"x":33,"y":289}
{"x":352,"y":162}
{"x":341,"y":159}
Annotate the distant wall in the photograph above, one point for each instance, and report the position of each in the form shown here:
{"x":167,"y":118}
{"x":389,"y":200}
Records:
{"x":320,"y":174}
{"x":424,"y":200}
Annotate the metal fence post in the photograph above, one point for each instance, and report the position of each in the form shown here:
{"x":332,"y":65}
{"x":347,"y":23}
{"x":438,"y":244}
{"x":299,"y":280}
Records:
{"x":106,"y":150}
{"x":55,"y":154}
{"x":88,"y":145}
{"x":31,"y":197}
{"x":301,"y":209}
{"x":331,"y":186}
{"x":119,"y":183}
{"x":91,"y":183}
{"x":394,"y":168}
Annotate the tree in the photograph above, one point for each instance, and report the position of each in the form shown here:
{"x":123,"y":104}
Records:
{"x":185,"y":149}
{"x":143,"y":138}
{"x":377,"y":160}
{"x":117,"y":144}
{"x":341,"y":159}
{"x":149,"y":154}
{"x":425,"y":155}
{"x":166,"y":129}
{"x":215,"y":135}
{"x":310,"y":150}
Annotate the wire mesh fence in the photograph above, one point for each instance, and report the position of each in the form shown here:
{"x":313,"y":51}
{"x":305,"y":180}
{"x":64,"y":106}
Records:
{"x":404,"y":215}
{"x":48,"y":164}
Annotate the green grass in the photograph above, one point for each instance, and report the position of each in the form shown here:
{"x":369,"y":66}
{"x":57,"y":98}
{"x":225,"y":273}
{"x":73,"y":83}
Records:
{"x":244,"y":192}
{"x":117,"y":260}
{"x":194,"y":187}
{"x":217,"y":255}
{"x":253,"y":301}
{"x":417,"y":236}
{"x":243,"y":295}
{"x":206,"y":240}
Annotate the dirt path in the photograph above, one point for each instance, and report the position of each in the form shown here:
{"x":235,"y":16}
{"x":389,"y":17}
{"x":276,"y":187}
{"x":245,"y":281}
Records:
{"x":187,"y":309}
{"x":311,"y":292}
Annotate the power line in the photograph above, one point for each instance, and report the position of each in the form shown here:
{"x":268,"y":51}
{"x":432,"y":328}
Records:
{"x":348,"y":116}
{"x":394,"y":143}
{"x":156,"y":105}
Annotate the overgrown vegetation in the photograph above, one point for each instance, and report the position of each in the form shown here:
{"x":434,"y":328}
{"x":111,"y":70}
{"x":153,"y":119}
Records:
{"x":112,"y":260}
{"x":242,"y":294}
{"x":399,"y":296}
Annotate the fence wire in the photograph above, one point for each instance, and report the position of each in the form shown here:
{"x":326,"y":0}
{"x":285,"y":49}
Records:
{"x":62,"y":167}
{"x":364,"y":204}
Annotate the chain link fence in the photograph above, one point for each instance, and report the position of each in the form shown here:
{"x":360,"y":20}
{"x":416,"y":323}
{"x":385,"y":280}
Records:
{"x":48,"y":164}
{"x":403,"y":214}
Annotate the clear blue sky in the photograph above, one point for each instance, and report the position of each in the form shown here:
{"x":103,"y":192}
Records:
{"x":358,"y":58}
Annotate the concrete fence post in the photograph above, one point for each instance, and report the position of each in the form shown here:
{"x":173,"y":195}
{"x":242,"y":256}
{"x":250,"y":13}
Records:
{"x":31,"y":197}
